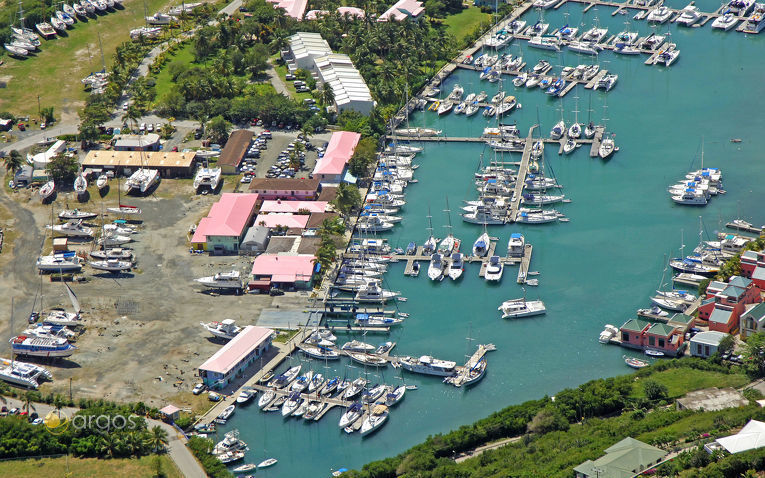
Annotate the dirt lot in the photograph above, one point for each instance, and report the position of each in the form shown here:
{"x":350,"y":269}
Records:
{"x":143,"y":339}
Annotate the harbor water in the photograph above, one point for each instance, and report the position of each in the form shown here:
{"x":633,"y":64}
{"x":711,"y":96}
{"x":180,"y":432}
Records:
{"x":596,"y":269}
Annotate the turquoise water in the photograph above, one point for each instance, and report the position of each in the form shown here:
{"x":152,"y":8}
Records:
{"x":596,"y":269}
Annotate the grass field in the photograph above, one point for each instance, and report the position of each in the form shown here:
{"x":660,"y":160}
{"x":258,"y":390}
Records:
{"x":163,"y":79}
{"x":681,"y":380}
{"x":54,"y":73}
{"x":281,"y":70}
{"x":465,"y":22}
{"x":63,"y":468}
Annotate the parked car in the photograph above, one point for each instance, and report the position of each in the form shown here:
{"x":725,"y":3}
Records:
{"x":198,"y":388}
{"x":21,"y":127}
{"x":275,"y":291}
{"x":214,"y":397}
{"x":289,"y":77}
{"x":149,"y":128}
{"x":142,"y":128}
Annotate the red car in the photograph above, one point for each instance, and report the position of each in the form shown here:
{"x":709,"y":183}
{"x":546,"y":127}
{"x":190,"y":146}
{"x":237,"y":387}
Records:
{"x":22,"y":127}
{"x":254,"y":122}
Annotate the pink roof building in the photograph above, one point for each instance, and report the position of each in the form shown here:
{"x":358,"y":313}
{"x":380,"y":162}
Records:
{"x":226,"y":223}
{"x":293,"y":206}
{"x":351,"y":11}
{"x":330,"y":167}
{"x":235,"y":356}
{"x":283,"y":270}
{"x":401,"y":10}
{"x":293,"y":8}
{"x":291,"y":221}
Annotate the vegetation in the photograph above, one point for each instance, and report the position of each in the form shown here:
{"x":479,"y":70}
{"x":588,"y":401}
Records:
{"x":364,"y":157}
{"x":348,"y":198}
{"x":569,"y":430}
{"x":201,"y":447}
{"x":13,"y":161}
{"x":63,"y":168}
{"x":144,"y":467}
{"x":677,"y":381}
{"x":754,"y":354}
{"x":469,"y":23}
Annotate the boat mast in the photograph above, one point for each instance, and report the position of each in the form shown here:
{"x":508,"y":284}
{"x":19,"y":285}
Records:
{"x":430,"y":223}
{"x":448,"y":217}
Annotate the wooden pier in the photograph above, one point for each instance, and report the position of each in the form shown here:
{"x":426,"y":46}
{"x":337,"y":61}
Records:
{"x":523,"y":270}
{"x":463,"y":373}
{"x":742,"y":227}
{"x":520,"y":181}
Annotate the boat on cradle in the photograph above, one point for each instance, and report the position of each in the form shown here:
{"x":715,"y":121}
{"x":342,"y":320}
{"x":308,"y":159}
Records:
{"x":145,"y":32}
{"x":46,"y":29}
{"x":608,"y":333}
{"x":517,"y":308}
{"x":368,"y":359}
{"x":160,"y":19}
{"x":111,"y":265}
{"x":59,"y":262}
{"x":57,"y":24}
{"x":21,"y":373}
{"x":124,"y":210}
{"x":102,"y":182}
{"x":725,"y":22}
{"x":88,"y":6}
{"x":142,"y":180}
{"x":78,"y":9}
{"x":66,"y":17}
{"x":375,"y":420}
{"x":689,"y":15}
{"x":231,"y":441}
{"x":635,"y":362}
{"x":18,"y":49}
{"x":320,"y":352}
{"x":245,"y":396}
{"x":227,"y":412}
{"x":69,"y":11}
{"x":207,"y":177}
{"x":428,"y":365}
{"x":494,"y":269}
{"x":268,"y":462}
{"x":608,"y":81}
{"x":659,"y":15}
{"x":222,"y":280}
{"x":481,"y":245}
{"x":226,"y":329}
{"x":545,"y":43}
{"x":47,"y":190}
{"x":41,"y":347}
{"x":50,"y":331}
{"x":79,"y":214}
{"x":113,"y":253}
{"x":756,"y":22}
{"x":71,"y":228}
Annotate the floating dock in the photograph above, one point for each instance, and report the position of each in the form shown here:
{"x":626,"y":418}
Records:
{"x":463,"y":372}
{"x":743,"y":227}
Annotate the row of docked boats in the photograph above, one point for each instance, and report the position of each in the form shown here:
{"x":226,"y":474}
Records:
{"x":24,"y":41}
{"x":698,"y":186}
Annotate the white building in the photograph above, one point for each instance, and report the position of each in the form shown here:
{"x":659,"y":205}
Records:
{"x":304,"y":48}
{"x":349,"y":88}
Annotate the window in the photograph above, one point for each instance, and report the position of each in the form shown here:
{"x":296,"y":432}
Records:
{"x":706,"y":350}
{"x":651,"y":341}
{"x":625,"y":337}
{"x":661,"y":343}
{"x":698,"y":349}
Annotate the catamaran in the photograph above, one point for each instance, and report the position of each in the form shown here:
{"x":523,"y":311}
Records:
{"x":516,"y":308}
{"x":207,"y":177}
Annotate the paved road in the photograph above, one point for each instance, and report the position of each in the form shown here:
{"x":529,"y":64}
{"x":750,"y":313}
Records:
{"x":177,"y":450}
{"x":32,"y":139}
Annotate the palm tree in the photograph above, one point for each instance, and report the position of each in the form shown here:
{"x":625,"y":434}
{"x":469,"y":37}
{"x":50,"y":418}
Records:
{"x":327,"y":95}
{"x":13,"y":162}
{"x":132,"y":115}
{"x":109,"y":445}
{"x":158,"y":439}
{"x":28,"y":398}
{"x":58,"y":402}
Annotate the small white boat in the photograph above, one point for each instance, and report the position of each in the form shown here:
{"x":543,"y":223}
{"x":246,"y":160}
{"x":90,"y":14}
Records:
{"x":207,"y":177}
{"x":71,"y":228}
{"x":124,"y":210}
{"x":245,"y":468}
{"x":268,"y":462}
{"x":47,"y":190}
{"x":80,"y":184}
{"x":608,"y":333}
{"x":494,"y":269}
{"x":725,"y":22}
{"x":607,"y":147}
{"x":375,"y":420}
{"x":102,"y":181}
{"x":109,"y":239}
{"x":227,"y":412}
{"x":436,"y":267}
{"x":245,"y":396}
{"x":222,"y":280}
{"x":68,"y":214}
{"x":516,"y":308}
{"x":111,"y":265}
{"x":456,"y":267}
{"x":689,"y":15}
{"x":226,"y":329}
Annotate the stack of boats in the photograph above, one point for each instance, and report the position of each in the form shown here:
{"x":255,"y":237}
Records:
{"x":697,"y":187}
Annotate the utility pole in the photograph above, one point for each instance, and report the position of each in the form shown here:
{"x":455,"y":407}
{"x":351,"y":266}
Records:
{"x":70,"y":389}
{"x":39,"y":111}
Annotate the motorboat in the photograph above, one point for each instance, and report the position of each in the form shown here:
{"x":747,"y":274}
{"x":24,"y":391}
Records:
{"x":654,"y":310}
{"x":225,"y":329}
{"x":494,"y":269}
{"x":689,"y":15}
{"x":456,"y":266}
{"x":518,"y":308}
{"x":230,"y":457}
{"x":659,"y":15}
{"x":231,"y":441}
{"x":355,"y":388}
{"x":436,"y":267}
{"x":372,"y":292}
{"x":142,"y":180}
{"x":370,"y":320}
{"x":71,"y":228}
{"x":358,"y":346}
{"x":375,"y":420}
{"x":558,"y":130}
{"x":690,"y":197}
{"x":608,"y":333}
{"x":111,"y":265}
{"x":725,"y":22}
{"x":428,"y":365}
{"x":222,"y":280}
{"x":756,"y":22}
{"x":41,"y":347}
{"x":556,"y":87}
{"x":352,"y":413}
{"x":59,"y":262}
{"x":207,"y":177}
{"x":635,"y":362}
{"x":544,"y":4}
{"x":481,"y":245}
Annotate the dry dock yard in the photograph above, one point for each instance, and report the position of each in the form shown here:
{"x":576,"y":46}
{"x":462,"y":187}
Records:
{"x":142,"y":338}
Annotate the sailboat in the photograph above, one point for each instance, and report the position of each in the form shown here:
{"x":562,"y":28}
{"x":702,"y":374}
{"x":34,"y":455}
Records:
{"x":607,"y":145}
{"x":481,"y":245}
{"x":431,"y":243}
{"x":449,"y":243}
{"x":122,"y":208}
{"x":575,"y":130}
{"x":80,"y":183}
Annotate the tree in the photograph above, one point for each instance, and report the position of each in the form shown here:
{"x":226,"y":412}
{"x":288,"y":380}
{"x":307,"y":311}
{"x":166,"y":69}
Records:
{"x":363,"y":157}
{"x":89,"y":131}
{"x":47,"y":114}
{"x":327,"y":97}
{"x":29,"y":397}
{"x":58,"y":402}
{"x":109,"y":444}
{"x":547,"y":420}
{"x":158,"y":439}
{"x":63,"y":168}
{"x":218,"y":129}
{"x":655,"y":390}
{"x":132,"y":115}
{"x":348,"y":197}
{"x":13,"y":162}
{"x":755,"y":354}
{"x":726,"y":344}
{"x":257,"y":59}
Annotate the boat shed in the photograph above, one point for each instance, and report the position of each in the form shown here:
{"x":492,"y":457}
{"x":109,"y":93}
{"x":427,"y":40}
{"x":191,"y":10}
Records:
{"x":136,"y":142}
{"x":285,"y":271}
{"x":330,"y":167}
{"x":234,"y":151}
{"x":225,"y":225}
{"x":233,"y":358}
{"x":255,"y":240}
{"x":304,"y":48}
{"x":349,"y":89}
{"x":170,"y":164}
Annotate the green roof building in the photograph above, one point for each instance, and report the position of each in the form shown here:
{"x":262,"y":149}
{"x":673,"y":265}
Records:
{"x":623,"y":460}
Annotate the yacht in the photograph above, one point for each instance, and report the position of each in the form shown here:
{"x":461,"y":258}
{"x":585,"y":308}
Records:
{"x":320,"y":352}
{"x":22,"y":373}
{"x":76,"y":214}
{"x":481,"y":245}
{"x":368,"y":360}
{"x":541,"y":199}
{"x":59,"y":262}
{"x":395,"y":395}
{"x":587,"y":48}
{"x":669,"y":304}
{"x":245,"y":396}
{"x":690,"y":197}
{"x":374,"y":223}
{"x":71,"y":228}
{"x":457,"y":92}
{"x":114,"y":253}
{"x":608,"y":333}
{"x":222,"y":280}
{"x":516,"y":246}
{"x":415,"y":132}
{"x":689,"y":15}
{"x":445,"y":107}
{"x":375,"y":420}
{"x":536,"y":217}
{"x":456,"y":267}
{"x":517,"y":308}
{"x":521,"y":79}
{"x":371,"y":395}
{"x":725,"y":22}
{"x":266,"y":399}
{"x":756,"y":22}
{"x":41,"y":347}
{"x":226,"y":329}
{"x":358,"y":346}
{"x":659,"y":15}
{"x":230,"y":443}
{"x":594,"y":35}
{"x":652,"y":42}
{"x":436,"y":267}
{"x":494,"y":269}
{"x":690,"y":266}
{"x":544,"y":4}
{"x":667,"y":57}
{"x":373,"y":293}
{"x":207,"y":177}
{"x":111,"y":265}
{"x":545,"y":43}
{"x":428,"y":365}
{"x":486,"y":214}
{"x":538,"y":183}
{"x":607,"y":147}
{"x":607,"y":82}
{"x":353,"y":413}
{"x":142,"y":180}
{"x":537,"y":149}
